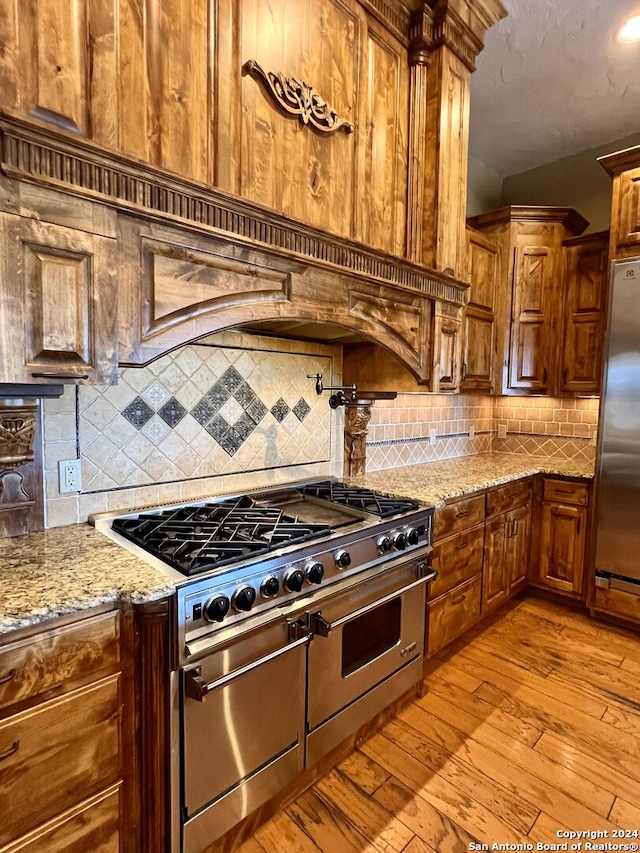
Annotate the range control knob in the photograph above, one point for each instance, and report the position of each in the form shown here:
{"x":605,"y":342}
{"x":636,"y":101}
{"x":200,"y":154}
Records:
{"x":343,"y":559}
{"x":400,"y":541}
{"x":244,"y":598}
{"x":294,"y":580}
{"x":269,"y":587}
{"x":384,"y":544}
{"x":413,"y":537}
{"x":216,"y":608}
{"x":314,"y":572}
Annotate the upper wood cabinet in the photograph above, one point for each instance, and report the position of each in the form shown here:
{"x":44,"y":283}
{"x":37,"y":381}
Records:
{"x":586,"y":277}
{"x":530,"y":294}
{"x":624,"y":168}
{"x":58,"y":308}
{"x":480,"y":315}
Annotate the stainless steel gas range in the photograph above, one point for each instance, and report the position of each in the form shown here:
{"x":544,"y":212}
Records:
{"x":301,"y":615}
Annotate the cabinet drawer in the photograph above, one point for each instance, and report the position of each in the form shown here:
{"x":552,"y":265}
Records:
{"x":58,"y":753}
{"x":457,"y":559}
{"x":33,"y":666}
{"x":564,"y":491}
{"x":458,"y":516}
{"x":508,"y":497}
{"x":617,"y":602}
{"x":92,"y":825}
{"x":451,"y":614}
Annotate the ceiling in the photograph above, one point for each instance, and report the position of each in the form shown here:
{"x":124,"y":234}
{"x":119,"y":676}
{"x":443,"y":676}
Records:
{"x":553,"y":80}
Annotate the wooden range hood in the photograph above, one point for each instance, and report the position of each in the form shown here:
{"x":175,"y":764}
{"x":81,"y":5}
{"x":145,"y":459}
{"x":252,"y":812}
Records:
{"x":181,"y":258}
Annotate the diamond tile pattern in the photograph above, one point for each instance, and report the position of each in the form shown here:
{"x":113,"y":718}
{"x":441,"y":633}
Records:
{"x":198,"y":413}
{"x":138,"y":412}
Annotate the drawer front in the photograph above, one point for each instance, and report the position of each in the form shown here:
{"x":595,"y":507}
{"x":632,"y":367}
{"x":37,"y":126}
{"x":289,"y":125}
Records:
{"x":58,"y":753}
{"x":92,"y":825}
{"x":458,"y":516}
{"x":451,"y":614}
{"x":456,"y":560}
{"x":51,"y":659}
{"x":564,"y":491}
{"x":508,"y":497}
{"x":617,"y":602}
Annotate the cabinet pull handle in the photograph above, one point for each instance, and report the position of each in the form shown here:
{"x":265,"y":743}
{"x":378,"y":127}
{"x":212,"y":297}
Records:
{"x":8,"y":677}
{"x":458,"y":600}
{"x":564,"y":491}
{"x":464,"y":370}
{"x":565,"y":375}
{"x":515,"y":526}
{"x":52,"y":375}
{"x":461,"y":513}
{"x":15,"y":746}
{"x":579,"y":520}
{"x":462,"y":545}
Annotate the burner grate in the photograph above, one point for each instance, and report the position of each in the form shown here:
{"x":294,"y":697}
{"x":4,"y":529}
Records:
{"x":375,"y":503}
{"x":202,"y":538}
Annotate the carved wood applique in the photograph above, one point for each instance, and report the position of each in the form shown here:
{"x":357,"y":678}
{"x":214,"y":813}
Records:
{"x":297,"y":98}
{"x":357,"y":417}
{"x":17,"y":427}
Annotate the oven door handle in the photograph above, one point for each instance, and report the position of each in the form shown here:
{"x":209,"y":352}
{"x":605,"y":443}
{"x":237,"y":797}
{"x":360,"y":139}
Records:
{"x":319,"y":624}
{"x":197,"y":688}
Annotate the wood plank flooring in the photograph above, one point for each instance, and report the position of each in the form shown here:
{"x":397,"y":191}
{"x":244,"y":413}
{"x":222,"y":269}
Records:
{"x":530,"y":726}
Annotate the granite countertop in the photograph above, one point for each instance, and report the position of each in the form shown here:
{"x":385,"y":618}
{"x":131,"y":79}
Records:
{"x":435,"y":482}
{"x":70,"y":569}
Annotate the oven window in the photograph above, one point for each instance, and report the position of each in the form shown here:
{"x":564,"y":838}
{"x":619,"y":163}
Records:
{"x":370,"y":635}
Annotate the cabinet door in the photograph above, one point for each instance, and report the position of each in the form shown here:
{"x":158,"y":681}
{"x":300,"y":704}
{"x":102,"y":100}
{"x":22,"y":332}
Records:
{"x":562,"y":545}
{"x":479,"y":333}
{"x":495,"y":580}
{"x":518,"y":547}
{"x":446,"y":365}
{"x":585,"y":289}
{"x":530,"y":362}
{"x":58,"y":319}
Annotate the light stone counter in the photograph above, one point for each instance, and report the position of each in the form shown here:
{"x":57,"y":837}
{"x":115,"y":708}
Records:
{"x":69,"y":569}
{"x":434,"y":482}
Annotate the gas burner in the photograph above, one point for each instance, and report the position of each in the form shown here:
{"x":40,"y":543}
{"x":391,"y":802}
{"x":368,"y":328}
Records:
{"x":202,"y":538}
{"x":374,"y":503}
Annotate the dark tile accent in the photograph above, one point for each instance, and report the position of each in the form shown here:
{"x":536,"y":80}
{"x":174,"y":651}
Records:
{"x":245,"y":395}
{"x":217,"y":428}
{"x":231,"y":379}
{"x":217,"y":395}
{"x":244,"y":426}
{"x":230,"y":442}
{"x":257,"y":410}
{"x":172,"y":412}
{"x":280,"y":410}
{"x":138,"y":412}
{"x":203,"y":411}
{"x":301,"y":409}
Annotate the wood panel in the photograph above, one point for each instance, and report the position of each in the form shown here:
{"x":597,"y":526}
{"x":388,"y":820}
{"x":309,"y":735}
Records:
{"x":562,"y":545}
{"x":449,"y":615}
{"x":505,"y":498}
{"x":456,"y":559}
{"x":458,"y":516}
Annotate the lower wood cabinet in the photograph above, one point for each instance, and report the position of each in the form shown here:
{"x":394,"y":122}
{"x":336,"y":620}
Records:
{"x":563,"y":536}
{"x":507,"y":543}
{"x":61,"y":736}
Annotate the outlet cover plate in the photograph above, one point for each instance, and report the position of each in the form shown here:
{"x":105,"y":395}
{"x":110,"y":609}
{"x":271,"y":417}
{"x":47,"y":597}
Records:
{"x":502,"y":430}
{"x":69,"y":477}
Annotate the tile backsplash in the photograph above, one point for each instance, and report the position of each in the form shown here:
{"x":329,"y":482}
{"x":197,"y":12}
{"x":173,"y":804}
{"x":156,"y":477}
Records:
{"x":231,"y":412}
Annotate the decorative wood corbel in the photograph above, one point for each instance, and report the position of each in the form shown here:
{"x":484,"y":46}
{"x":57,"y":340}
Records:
{"x":17,"y":428}
{"x":297,"y":98}
{"x":357,"y":417}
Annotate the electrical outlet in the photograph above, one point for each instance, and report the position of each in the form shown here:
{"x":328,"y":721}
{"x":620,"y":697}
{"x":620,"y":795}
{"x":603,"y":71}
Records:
{"x":594,"y":437}
{"x":69,"y":476}
{"x":433,"y":436}
{"x":472,"y":431}
{"x":502,"y":430}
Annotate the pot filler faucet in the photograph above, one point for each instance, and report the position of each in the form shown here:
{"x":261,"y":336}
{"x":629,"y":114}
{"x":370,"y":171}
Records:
{"x":339,"y":398}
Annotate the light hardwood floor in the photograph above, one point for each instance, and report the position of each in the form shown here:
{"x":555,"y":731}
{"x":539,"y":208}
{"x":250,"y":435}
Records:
{"x":530,"y":726}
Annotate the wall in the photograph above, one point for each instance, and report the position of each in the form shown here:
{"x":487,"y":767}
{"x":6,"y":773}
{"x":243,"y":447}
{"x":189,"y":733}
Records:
{"x":484,"y":188}
{"x":400,"y":431}
{"x":578,"y":181}
{"x":230,"y":413}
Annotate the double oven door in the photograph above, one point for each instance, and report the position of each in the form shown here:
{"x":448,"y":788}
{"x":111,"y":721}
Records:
{"x":278,"y":697}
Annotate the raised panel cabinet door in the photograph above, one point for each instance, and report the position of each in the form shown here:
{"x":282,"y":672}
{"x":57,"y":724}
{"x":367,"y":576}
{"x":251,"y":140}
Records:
{"x":627,"y":220}
{"x":495,"y":576}
{"x":518,"y":547}
{"x":531,"y":348}
{"x":562,"y":547}
{"x":483,"y":270}
{"x":61,"y":313}
{"x":447,"y":342}
{"x":478,"y":351}
{"x":584,"y":319}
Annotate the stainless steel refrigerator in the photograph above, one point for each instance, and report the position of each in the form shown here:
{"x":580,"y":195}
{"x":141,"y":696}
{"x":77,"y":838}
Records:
{"x":618,"y":470}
